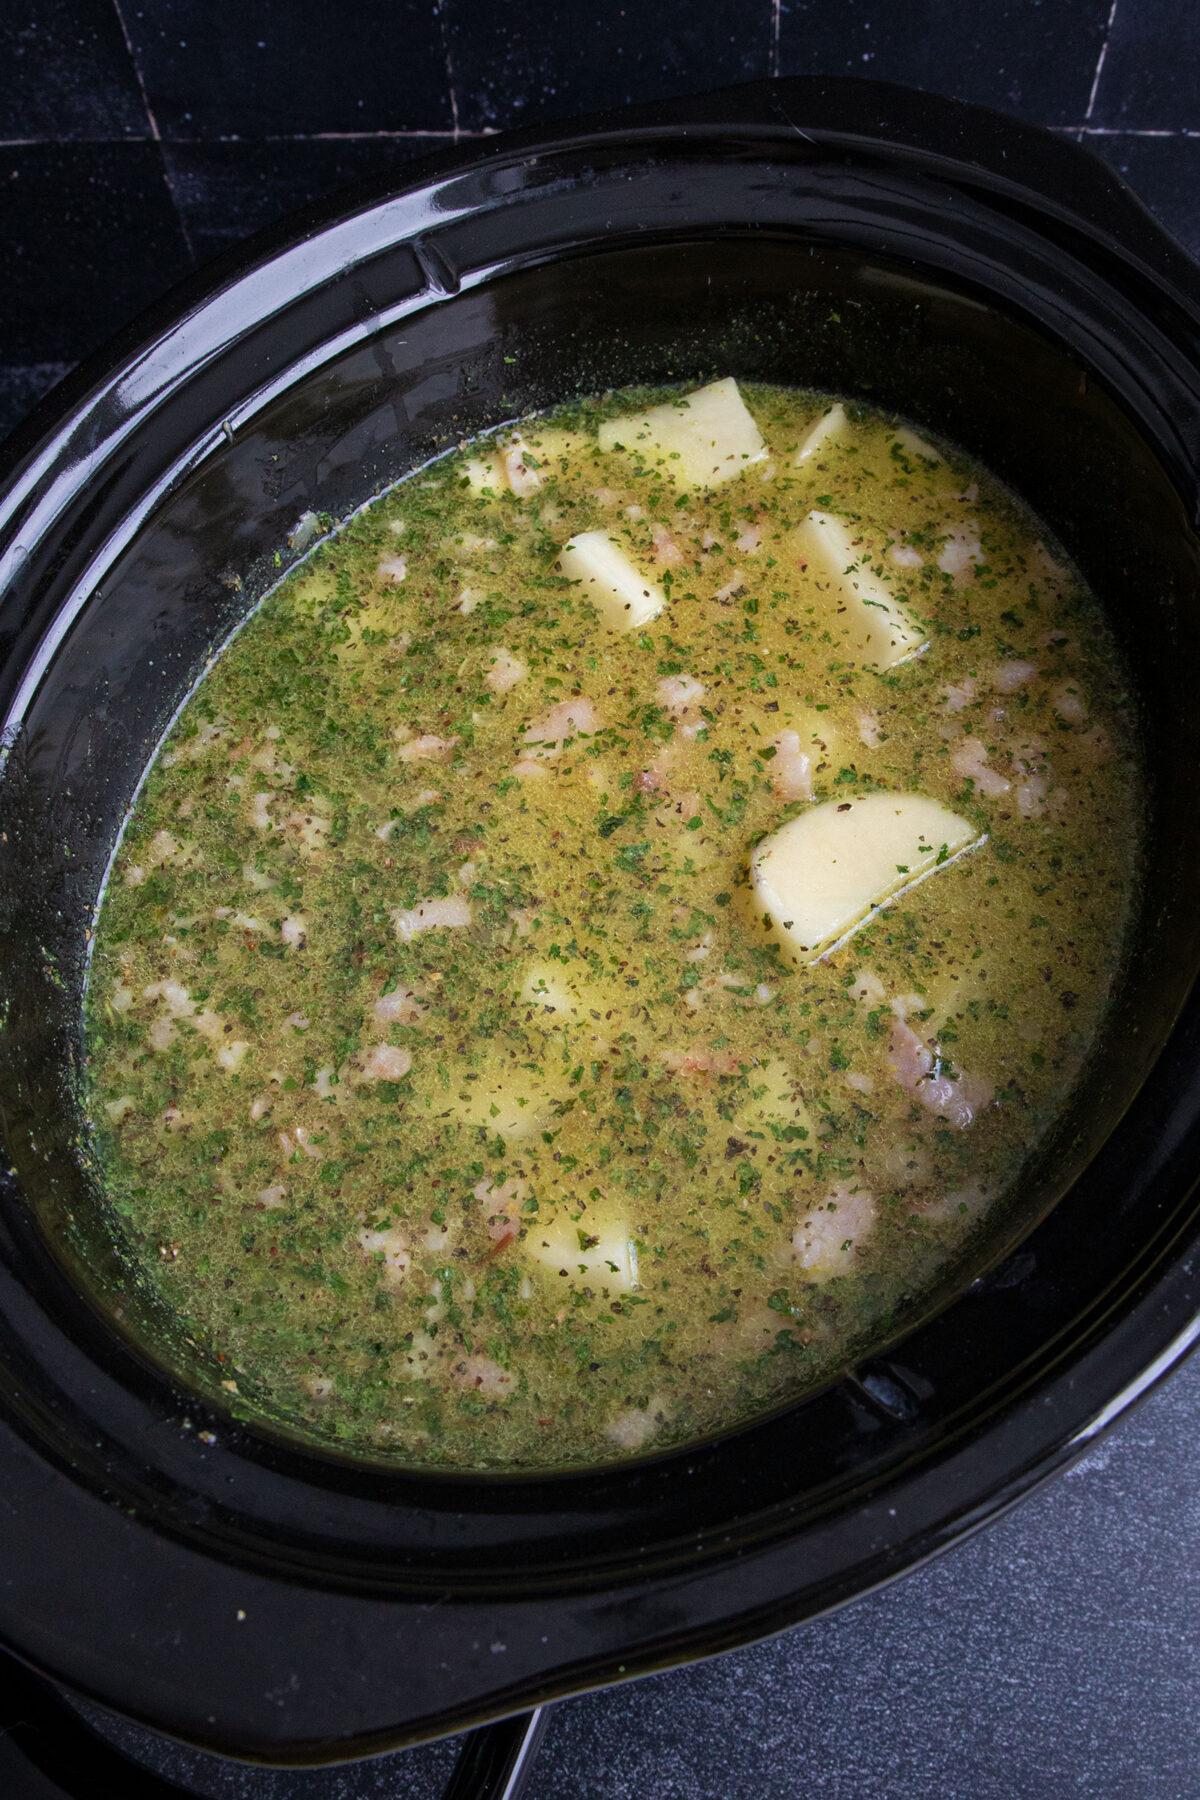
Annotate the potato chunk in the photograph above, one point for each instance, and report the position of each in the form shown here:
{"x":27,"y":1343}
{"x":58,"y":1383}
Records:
{"x":512,"y":1111}
{"x":624,"y":597}
{"x":822,"y":875}
{"x":878,"y":631}
{"x":830,"y":425}
{"x":585,"y":1254}
{"x":702,"y":440}
{"x":562,"y":997}
{"x":775,"y":1099}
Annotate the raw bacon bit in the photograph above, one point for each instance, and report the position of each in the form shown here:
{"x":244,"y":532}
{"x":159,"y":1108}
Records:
{"x":699,"y":1061}
{"x":384,"y":1062}
{"x":428,"y":749}
{"x":504,"y":670}
{"x":825,"y":1238}
{"x":958,"y":1098}
{"x":666,"y":552}
{"x":969,"y":760}
{"x":1007,"y":677}
{"x":957,"y":694}
{"x":485,"y":1377}
{"x":502,"y":1209}
{"x":791,"y":771}
{"x":569,"y":719}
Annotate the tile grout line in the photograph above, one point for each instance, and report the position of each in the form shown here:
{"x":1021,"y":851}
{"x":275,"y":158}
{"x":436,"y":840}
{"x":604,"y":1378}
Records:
{"x":137,"y":73}
{"x":334,"y":137}
{"x":449,"y":62}
{"x":776,"y":33}
{"x":1133,"y":131}
{"x":155,"y":134}
{"x":1112,"y":13}
{"x":454,"y":136}
{"x":268,"y":137}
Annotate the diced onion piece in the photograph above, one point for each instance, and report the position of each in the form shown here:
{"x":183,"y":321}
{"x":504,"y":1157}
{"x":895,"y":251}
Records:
{"x":878,"y":630}
{"x":701,"y":440}
{"x":820,"y":876}
{"x":829,"y":425}
{"x":624,"y":597}
{"x":564,"y":1249}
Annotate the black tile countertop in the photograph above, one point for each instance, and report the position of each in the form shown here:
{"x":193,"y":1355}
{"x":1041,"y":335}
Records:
{"x":1058,"y":1654}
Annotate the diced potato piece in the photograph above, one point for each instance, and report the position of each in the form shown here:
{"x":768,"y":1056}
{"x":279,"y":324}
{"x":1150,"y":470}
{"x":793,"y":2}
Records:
{"x":563,"y":999}
{"x":822,"y":875}
{"x":702,"y":440}
{"x":775,"y":1099}
{"x":556,"y":449}
{"x":586,"y":1253}
{"x":513,"y":1111}
{"x":917,"y":446}
{"x":435,"y":914}
{"x":484,"y":472}
{"x":624,"y":597}
{"x":830,"y":425}
{"x":878,"y":631}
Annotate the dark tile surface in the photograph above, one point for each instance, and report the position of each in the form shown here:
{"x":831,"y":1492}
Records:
{"x":1035,"y":58}
{"x":66,"y":71}
{"x":22,"y":386}
{"x":225,"y":191}
{"x":1151,"y":74}
{"x":1164,"y":172}
{"x":90,"y":237}
{"x":225,"y":68}
{"x":569,"y":58}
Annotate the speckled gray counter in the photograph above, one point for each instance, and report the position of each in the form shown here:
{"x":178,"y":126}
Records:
{"x":1056,"y":1656}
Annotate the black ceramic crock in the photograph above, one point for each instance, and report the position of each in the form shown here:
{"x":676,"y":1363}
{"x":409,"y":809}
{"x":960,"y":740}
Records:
{"x":988,"y":281}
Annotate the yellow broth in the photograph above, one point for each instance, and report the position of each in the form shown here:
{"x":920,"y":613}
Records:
{"x":449,"y":1091}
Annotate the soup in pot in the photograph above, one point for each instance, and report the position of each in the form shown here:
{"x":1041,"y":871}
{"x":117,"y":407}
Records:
{"x":612,"y":928}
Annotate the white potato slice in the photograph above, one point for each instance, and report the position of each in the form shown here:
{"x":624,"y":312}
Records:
{"x":822,"y":875}
{"x":621,"y":594}
{"x":878,"y":630}
{"x":701,"y":440}
{"x":563,"y":999}
{"x":775,"y":1099}
{"x":917,"y":446}
{"x":584,"y":1253}
{"x":830,"y":425}
{"x":513,"y":1111}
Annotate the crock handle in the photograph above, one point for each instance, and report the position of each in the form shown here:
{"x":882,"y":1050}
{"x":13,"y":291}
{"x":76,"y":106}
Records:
{"x":495,"y":1760}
